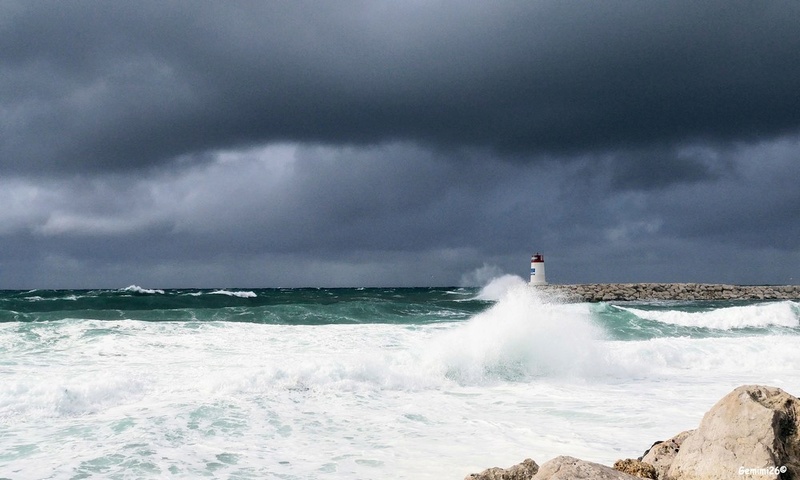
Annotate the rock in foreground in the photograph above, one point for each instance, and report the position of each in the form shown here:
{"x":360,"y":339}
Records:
{"x":636,"y":468}
{"x":751,"y":433}
{"x":661,"y":454}
{"x":570,"y":468}
{"x":523,"y":471}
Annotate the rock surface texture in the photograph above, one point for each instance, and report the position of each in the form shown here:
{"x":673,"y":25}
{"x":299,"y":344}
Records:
{"x":661,"y":454}
{"x":523,"y":471}
{"x":605,"y":292}
{"x":752,"y":433}
{"x":570,"y":468}
{"x":637,"y":468}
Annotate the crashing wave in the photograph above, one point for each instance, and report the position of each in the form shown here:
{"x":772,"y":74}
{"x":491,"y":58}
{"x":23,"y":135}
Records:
{"x":781,"y":314}
{"x":138,"y":289}
{"x":240,"y":294}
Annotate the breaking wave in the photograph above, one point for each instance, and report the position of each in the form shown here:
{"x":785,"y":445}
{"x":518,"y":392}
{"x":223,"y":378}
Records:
{"x":525,"y":334}
{"x":781,"y":314}
{"x":138,"y":289}
{"x":240,"y":294}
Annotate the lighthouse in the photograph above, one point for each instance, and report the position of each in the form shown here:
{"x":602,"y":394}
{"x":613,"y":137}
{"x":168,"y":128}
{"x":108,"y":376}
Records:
{"x":537,"y":269}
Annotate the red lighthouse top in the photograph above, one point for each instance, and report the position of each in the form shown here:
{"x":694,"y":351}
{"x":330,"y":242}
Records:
{"x":538,"y":258}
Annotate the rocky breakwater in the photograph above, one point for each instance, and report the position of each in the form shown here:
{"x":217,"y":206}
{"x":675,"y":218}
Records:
{"x":751,"y":433}
{"x":605,"y":292}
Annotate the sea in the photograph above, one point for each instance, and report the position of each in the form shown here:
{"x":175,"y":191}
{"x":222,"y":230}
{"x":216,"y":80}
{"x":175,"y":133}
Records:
{"x":363,"y":383}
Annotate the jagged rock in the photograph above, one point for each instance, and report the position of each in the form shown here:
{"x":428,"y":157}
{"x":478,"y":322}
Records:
{"x":570,"y":468}
{"x":751,"y":433}
{"x":661,"y":454}
{"x":637,"y":468}
{"x":523,"y":471}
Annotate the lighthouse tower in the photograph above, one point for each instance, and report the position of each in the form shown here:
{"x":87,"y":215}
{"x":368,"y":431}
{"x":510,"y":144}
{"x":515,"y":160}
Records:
{"x":537,"y":269}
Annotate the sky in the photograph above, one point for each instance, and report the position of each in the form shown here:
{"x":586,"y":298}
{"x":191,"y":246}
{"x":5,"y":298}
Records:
{"x":415,"y":143}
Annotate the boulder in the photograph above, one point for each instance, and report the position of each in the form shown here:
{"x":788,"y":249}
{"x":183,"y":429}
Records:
{"x":661,"y":454}
{"x":636,"y":468}
{"x":570,"y":468}
{"x":523,"y":471}
{"x":751,"y":433}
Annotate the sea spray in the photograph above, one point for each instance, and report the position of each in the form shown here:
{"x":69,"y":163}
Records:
{"x":522,"y":336}
{"x":481,"y":276}
{"x":498,"y":287}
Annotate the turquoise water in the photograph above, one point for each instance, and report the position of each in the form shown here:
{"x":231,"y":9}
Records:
{"x":409,"y":306}
{"x":701,"y":319}
{"x":310,"y":306}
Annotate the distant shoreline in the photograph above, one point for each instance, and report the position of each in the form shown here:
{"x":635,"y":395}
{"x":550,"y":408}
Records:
{"x":604,"y":292}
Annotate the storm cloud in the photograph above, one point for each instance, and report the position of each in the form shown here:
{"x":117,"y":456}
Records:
{"x":403,"y":143}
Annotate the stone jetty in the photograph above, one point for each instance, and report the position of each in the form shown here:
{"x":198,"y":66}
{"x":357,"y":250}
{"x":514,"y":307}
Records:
{"x":604,"y":292}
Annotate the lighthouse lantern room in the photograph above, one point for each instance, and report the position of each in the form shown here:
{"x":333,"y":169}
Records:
{"x":537,"y":269}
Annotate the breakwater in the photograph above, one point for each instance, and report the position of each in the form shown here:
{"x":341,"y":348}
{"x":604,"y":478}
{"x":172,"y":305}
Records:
{"x":604,"y":292}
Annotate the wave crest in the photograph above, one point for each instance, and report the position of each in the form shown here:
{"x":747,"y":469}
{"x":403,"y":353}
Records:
{"x":523,"y":335}
{"x":138,"y":289}
{"x":781,"y":314}
{"x":240,"y":294}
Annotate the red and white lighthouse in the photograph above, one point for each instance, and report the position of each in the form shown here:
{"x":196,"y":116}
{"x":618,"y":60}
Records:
{"x":537,"y":269}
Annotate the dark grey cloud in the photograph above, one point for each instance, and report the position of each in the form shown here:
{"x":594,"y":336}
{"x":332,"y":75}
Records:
{"x":365,"y":143}
{"x":400,"y":215}
{"x":757,"y":204}
{"x":116,"y":86}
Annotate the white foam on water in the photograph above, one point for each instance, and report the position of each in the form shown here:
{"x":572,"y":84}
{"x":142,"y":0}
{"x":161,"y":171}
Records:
{"x":764,"y":356}
{"x":138,"y":289}
{"x":522,"y":336}
{"x":236,"y":293}
{"x":784,"y":314}
{"x":524,"y":378}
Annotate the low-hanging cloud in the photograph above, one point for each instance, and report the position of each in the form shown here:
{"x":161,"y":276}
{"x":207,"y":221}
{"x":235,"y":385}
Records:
{"x":262,"y":144}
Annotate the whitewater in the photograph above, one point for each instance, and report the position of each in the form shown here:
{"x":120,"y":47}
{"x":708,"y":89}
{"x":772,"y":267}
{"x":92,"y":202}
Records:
{"x":414,"y":383}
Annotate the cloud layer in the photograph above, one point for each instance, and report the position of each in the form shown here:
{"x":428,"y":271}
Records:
{"x":353,"y":143}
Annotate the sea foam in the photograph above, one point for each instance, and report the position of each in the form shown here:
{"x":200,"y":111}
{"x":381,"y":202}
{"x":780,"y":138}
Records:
{"x":525,"y":334}
{"x":783,"y":314}
{"x":138,"y":289}
{"x":187,"y":399}
{"x":240,"y":294}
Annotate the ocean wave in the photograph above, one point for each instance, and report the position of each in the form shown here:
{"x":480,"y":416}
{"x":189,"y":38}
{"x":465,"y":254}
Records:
{"x":240,"y":294}
{"x":278,"y":392}
{"x":138,"y":289}
{"x":781,"y":314}
{"x":523,"y":335}
{"x":458,"y":291}
{"x":520,"y":339}
{"x":79,"y":396}
{"x":760,"y":356}
{"x":39,"y":298}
